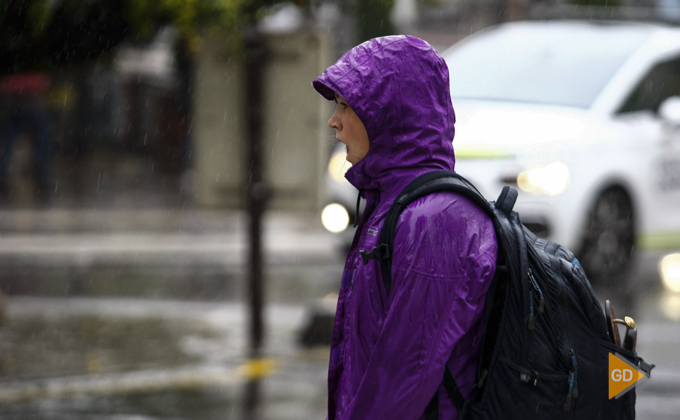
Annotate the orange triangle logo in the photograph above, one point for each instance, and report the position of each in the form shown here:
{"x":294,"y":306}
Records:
{"x":623,"y":375}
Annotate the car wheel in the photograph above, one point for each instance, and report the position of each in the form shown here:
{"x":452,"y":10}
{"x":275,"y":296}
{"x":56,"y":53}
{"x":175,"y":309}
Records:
{"x":608,"y":237}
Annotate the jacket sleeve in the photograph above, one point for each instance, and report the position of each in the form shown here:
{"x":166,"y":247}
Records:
{"x":443,"y":261}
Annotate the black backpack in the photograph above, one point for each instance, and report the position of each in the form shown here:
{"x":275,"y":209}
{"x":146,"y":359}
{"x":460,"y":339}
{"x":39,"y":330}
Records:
{"x":546,"y":341}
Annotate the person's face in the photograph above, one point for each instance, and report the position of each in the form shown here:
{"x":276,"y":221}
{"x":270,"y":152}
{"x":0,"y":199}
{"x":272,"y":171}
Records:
{"x":349,"y":130}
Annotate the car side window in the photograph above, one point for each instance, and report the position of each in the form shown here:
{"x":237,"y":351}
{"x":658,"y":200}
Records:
{"x":662,"y":82}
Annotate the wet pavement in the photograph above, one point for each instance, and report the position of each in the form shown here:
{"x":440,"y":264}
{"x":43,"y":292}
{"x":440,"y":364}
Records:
{"x":146,"y":359}
{"x":135,"y":358}
{"x":117,"y":314}
{"x":164,"y":254}
{"x":140,"y":315}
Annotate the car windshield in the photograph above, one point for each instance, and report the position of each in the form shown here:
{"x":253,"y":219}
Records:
{"x":568,"y":64}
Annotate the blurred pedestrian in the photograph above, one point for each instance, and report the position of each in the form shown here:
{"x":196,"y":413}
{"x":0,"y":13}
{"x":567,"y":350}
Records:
{"x":389,"y":350}
{"x":24,"y":111}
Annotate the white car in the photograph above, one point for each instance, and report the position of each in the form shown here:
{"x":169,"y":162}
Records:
{"x":583,"y":118}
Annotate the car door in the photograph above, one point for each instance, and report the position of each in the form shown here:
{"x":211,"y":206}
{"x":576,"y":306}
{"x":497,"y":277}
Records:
{"x":659,"y":157}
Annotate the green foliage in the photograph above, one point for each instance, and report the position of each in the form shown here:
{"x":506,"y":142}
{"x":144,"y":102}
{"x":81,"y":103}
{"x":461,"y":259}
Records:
{"x":187,"y":16}
{"x":144,"y":17}
{"x":608,"y":3}
{"x":44,"y":33}
{"x":40,"y":15}
{"x":374,"y":18}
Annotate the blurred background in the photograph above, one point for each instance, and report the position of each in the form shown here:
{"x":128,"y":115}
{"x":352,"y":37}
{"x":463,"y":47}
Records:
{"x":165,"y":166}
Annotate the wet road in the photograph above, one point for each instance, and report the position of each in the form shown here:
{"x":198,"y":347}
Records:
{"x":146,"y":359}
{"x":142,"y":343}
{"x":112,"y":359}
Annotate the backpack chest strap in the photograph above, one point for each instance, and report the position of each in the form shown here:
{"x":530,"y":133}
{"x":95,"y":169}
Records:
{"x":379,"y":253}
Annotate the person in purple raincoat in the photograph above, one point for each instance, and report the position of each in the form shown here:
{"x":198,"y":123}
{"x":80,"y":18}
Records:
{"x":389,"y":351}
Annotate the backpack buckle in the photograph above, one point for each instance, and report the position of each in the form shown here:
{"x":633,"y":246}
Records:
{"x":380,"y":252}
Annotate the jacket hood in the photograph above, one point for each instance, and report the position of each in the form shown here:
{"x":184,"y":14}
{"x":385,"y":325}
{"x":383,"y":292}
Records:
{"x":399,"y":87}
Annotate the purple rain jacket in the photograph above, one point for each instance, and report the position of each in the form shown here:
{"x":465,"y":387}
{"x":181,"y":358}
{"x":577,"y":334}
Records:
{"x":388,"y":351}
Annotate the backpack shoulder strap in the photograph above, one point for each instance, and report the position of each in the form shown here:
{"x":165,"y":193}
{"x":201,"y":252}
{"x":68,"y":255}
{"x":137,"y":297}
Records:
{"x":425,"y":184}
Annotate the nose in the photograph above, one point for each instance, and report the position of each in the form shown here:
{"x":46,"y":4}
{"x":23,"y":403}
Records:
{"x":334,"y":122}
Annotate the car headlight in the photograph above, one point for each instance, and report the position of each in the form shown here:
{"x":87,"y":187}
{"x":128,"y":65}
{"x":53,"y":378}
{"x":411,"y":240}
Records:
{"x":338,"y":165}
{"x":670,"y":272}
{"x":335,"y":218}
{"x":552,"y":179}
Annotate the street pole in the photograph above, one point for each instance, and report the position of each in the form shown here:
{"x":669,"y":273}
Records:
{"x":257,"y":196}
